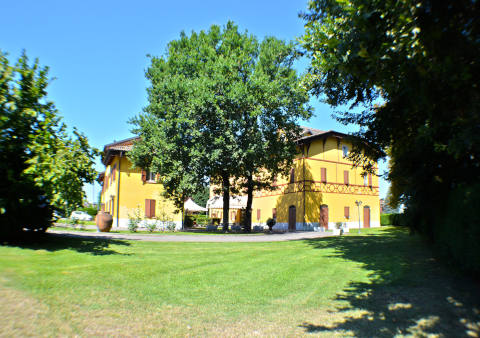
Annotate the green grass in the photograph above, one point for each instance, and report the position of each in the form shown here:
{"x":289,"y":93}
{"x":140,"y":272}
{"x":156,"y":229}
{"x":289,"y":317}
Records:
{"x":143,"y":232}
{"x":380,"y":283}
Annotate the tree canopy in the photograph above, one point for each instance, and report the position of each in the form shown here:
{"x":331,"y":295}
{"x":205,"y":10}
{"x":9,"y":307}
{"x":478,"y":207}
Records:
{"x":410,"y":68}
{"x":43,"y":168}
{"x":221,"y":106}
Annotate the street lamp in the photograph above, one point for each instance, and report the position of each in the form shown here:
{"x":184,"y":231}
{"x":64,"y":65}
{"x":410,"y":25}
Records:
{"x":358,"y":203}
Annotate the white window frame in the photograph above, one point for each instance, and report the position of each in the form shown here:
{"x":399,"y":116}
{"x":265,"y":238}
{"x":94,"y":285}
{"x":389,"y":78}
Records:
{"x":151,"y":177}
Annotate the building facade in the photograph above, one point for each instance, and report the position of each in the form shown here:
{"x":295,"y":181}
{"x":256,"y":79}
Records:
{"x":323,"y":188}
{"x":128,"y":193}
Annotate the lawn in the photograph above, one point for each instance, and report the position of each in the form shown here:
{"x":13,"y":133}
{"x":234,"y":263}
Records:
{"x":189,"y":232}
{"x":380,"y":283}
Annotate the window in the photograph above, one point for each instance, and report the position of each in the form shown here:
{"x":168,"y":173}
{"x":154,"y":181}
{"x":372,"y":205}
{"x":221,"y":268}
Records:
{"x":345,"y":177}
{"x":258,"y":214}
{"x":345,"y":151}
{"x":346,"y":212}
{"x":324,"y":175}
{"x":151,"y":176}
{"x":114,"y":169}
{"x":274,"y":213}
{"x":148,"y":176}
{"x":370,"y":180}
{"x":149,"y":208}
{"x":365,"y":180}
{"x":292,"y":175}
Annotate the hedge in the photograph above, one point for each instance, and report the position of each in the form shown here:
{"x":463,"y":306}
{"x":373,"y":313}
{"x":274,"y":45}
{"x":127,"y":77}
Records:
{"x":393,"y":219}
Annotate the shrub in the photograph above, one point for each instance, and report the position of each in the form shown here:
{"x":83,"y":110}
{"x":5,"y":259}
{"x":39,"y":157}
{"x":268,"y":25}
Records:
{"x":188,"y":222}
{"x":271,"y":223}
{"x":134,"y":220}
{"x":151,"y":226}
{"x":393,"y":219}
{"x":170,"y":226}
{"x":74,"y":221}
{"x":92,"y":211}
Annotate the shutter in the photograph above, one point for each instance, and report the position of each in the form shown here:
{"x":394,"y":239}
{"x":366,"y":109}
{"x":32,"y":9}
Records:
{"x":292,"y":175}
{"x":258,"y":214}
{"x":147,"y":208}
{"x":274,"y":213}
{"x":152,"y":208}
{"x":347,"y":212}
{"x":345,"y":177}
{"x":370,"y":180}
{"x":144,"y":176}
{"x":324,"y":175}
{"x":113,"y":172}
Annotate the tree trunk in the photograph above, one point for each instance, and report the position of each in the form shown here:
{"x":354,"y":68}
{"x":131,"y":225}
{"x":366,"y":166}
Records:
{"x":248,"y":210}
{"x":226,"y":200}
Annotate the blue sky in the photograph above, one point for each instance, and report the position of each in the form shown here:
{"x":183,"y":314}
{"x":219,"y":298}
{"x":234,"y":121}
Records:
{"x":96,"y":51}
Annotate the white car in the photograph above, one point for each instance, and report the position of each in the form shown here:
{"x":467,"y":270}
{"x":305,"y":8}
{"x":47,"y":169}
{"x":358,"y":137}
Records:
{"x":81,"y":216}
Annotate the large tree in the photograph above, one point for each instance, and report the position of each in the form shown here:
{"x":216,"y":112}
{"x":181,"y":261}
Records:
{"x":411,"y":68}
{"x":270,"y":121}
{"x":42,"y":167}
{"x":217,"y":100}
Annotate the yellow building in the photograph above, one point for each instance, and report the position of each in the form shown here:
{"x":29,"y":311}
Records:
{"x":321,"y":190}
{"x":127,"y":192}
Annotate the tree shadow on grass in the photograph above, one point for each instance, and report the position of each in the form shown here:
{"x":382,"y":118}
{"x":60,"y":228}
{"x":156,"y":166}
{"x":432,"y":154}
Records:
{"x":98,"y":246}
{"x":408,"y":293}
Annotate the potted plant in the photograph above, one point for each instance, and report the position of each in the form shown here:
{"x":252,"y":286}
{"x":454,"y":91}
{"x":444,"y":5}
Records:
{"x":338,"y":228}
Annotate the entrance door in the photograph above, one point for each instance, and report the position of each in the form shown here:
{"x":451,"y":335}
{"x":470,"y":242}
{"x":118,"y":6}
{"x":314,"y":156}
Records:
{"x":324,"y":216}
{"x":292,"y":218}
{"x":366,"y":217}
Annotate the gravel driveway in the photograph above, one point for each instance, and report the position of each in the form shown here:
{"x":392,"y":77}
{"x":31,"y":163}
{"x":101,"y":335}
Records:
{"x":288,"y":236}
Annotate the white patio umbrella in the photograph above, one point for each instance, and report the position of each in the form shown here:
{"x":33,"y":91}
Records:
{"x":190,"y":205}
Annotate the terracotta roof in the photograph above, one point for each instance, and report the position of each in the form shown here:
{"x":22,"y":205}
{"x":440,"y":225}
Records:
{"x":122,"y":143}
{"x":311,"y":131}
{"x":308,"y":133}
{"x":123,"y":148}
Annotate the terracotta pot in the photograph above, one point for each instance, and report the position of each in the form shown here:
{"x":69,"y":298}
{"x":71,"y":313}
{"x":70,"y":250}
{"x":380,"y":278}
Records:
{"x":104,"y":221}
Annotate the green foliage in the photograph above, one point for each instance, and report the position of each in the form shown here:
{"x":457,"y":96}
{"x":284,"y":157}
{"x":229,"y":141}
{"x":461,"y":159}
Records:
{"x":41,"y":166}
{"x":92,"y":211}
{"x":201,"y":197}
{"x":221,"y":106}
{"x":151,"y":226}
{"x":188,"y":222}
{"x":134,"y":220}
{"x":393,"y":219}
{"x":418,"y":59}
{"x":271,"y":223}
{"x":196,"y":219}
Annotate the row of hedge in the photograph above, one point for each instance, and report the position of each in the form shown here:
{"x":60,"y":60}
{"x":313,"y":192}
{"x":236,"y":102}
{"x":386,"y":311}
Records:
{"x":191,"y":220}
{"x":393,"y":219}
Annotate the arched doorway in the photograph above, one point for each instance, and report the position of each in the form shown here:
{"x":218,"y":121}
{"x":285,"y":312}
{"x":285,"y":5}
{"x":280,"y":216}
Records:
{"x":324,"y":216}
{"x":292,"y":218}
{"x":366,"y":216}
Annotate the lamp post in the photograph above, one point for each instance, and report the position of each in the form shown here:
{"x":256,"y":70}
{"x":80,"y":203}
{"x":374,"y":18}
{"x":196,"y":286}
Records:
{"x":358,"y":203}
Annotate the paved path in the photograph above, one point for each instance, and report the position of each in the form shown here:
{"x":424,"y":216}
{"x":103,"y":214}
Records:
{"x":289,"y":236}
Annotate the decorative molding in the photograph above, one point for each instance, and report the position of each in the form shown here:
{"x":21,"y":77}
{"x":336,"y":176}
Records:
{"x":317,"y":186}
{"x":329,"y":161}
